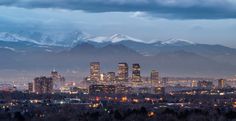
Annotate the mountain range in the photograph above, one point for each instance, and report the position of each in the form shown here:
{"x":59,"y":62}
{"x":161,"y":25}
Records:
{"x":173,"y":57}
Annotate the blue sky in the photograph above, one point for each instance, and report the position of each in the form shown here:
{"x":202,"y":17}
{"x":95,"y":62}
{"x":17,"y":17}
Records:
{"x":202,"y":21}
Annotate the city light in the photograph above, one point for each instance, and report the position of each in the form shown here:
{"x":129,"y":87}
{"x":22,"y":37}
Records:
{"x":124,"y":99}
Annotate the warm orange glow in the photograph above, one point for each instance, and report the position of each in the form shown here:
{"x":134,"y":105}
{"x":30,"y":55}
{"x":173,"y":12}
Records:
{"x":94,"y":105}
{"x":234,"y":104}
{"x":151,"y":114}
{"x":124,"y":99}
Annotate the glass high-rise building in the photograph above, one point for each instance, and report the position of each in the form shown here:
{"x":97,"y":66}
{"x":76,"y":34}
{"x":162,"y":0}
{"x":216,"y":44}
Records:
{"x":154,"y":77}
{"x":111,"y":76}
{"x":221,"y":83}
{"x":123,"y":72}
{"x":43,"y":85}
{"x":136,"y":73}
{"x":58,"y":80}
{"x":95,"y":71}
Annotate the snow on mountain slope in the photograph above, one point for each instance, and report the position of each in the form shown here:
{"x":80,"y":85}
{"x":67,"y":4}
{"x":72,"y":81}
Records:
{"x":113,"y":38}
{"x":8,"y":48}
{"x":174,"y":41}
{"x":4,"y":36}
{"x":119,"y":37}
{"x":70,"y":39}
{"x":66,"y":39}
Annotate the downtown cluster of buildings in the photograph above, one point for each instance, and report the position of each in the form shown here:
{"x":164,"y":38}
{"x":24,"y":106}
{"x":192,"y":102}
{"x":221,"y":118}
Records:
{"x":122,"y":75}
{"x":126,"y":80}
{"x":121,"y":82}
{"x":44,"y":84}
{"x":100,"y":83}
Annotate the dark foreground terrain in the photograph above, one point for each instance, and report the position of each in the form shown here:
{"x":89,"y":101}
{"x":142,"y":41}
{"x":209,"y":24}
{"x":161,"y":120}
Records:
{"x":19,"y":106}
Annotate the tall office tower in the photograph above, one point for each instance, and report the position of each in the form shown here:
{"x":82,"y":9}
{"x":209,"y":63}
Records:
{"x":155,"y":77}
{"x":194,"y":83}
{"x":30,"y":87}
{"x":221,"y":83}
{"x":103,"y":77}
{"x":136,"y":74}
{"x":43,"y":85}
{"x":95,"y":71}
{"x":58,"y":80}
{"x":165,"y":81}
{"x":111,"y":77}
{"x":123,"y":72}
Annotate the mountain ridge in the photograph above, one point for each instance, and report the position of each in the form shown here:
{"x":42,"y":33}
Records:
{"x":74,"y":38}
{"x":176,"y":57}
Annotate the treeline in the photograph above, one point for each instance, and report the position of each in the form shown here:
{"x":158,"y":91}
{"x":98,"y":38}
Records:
{"x":73,"y":113}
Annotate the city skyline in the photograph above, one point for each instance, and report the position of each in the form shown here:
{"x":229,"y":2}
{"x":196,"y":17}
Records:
{"x":124,"y":74}
{"x":100,"y":82}
{"x":118,"y":60}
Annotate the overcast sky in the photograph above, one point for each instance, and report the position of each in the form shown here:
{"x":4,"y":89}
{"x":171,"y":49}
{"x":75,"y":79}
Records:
{"x":202,"y":21}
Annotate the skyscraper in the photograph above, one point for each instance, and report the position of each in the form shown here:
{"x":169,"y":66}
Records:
{"x":30,"y":87}
{"x":221,"y":83}
{"x":43,"y":85}
{"x":95,"y":71}
{"x":194,"y":83}
{"x":103,"y":77}
{"x":136,"y":74}
{"x":58,"y":80}
{"x":111,"y":76}
{"x":154,"y":77}
{"x":165,"y":81}
{"x":123,"y":72}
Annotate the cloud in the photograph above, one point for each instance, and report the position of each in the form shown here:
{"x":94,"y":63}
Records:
{"x":172,"y":9}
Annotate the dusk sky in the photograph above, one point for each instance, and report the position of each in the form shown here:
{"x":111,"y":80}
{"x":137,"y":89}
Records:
{"x":201,"y":21}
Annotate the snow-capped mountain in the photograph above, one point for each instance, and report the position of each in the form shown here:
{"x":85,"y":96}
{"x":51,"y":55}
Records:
{"x":26,"y":50}
{"x":177,"y":42}
{"x":9,"y":37}
{"x":174,"y":42}
{"x":65,"y":39}
{"x":120,"y":38}
{"x":113,"y":38}
{"x":71,"y":39}
{"x":18,"y":43}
